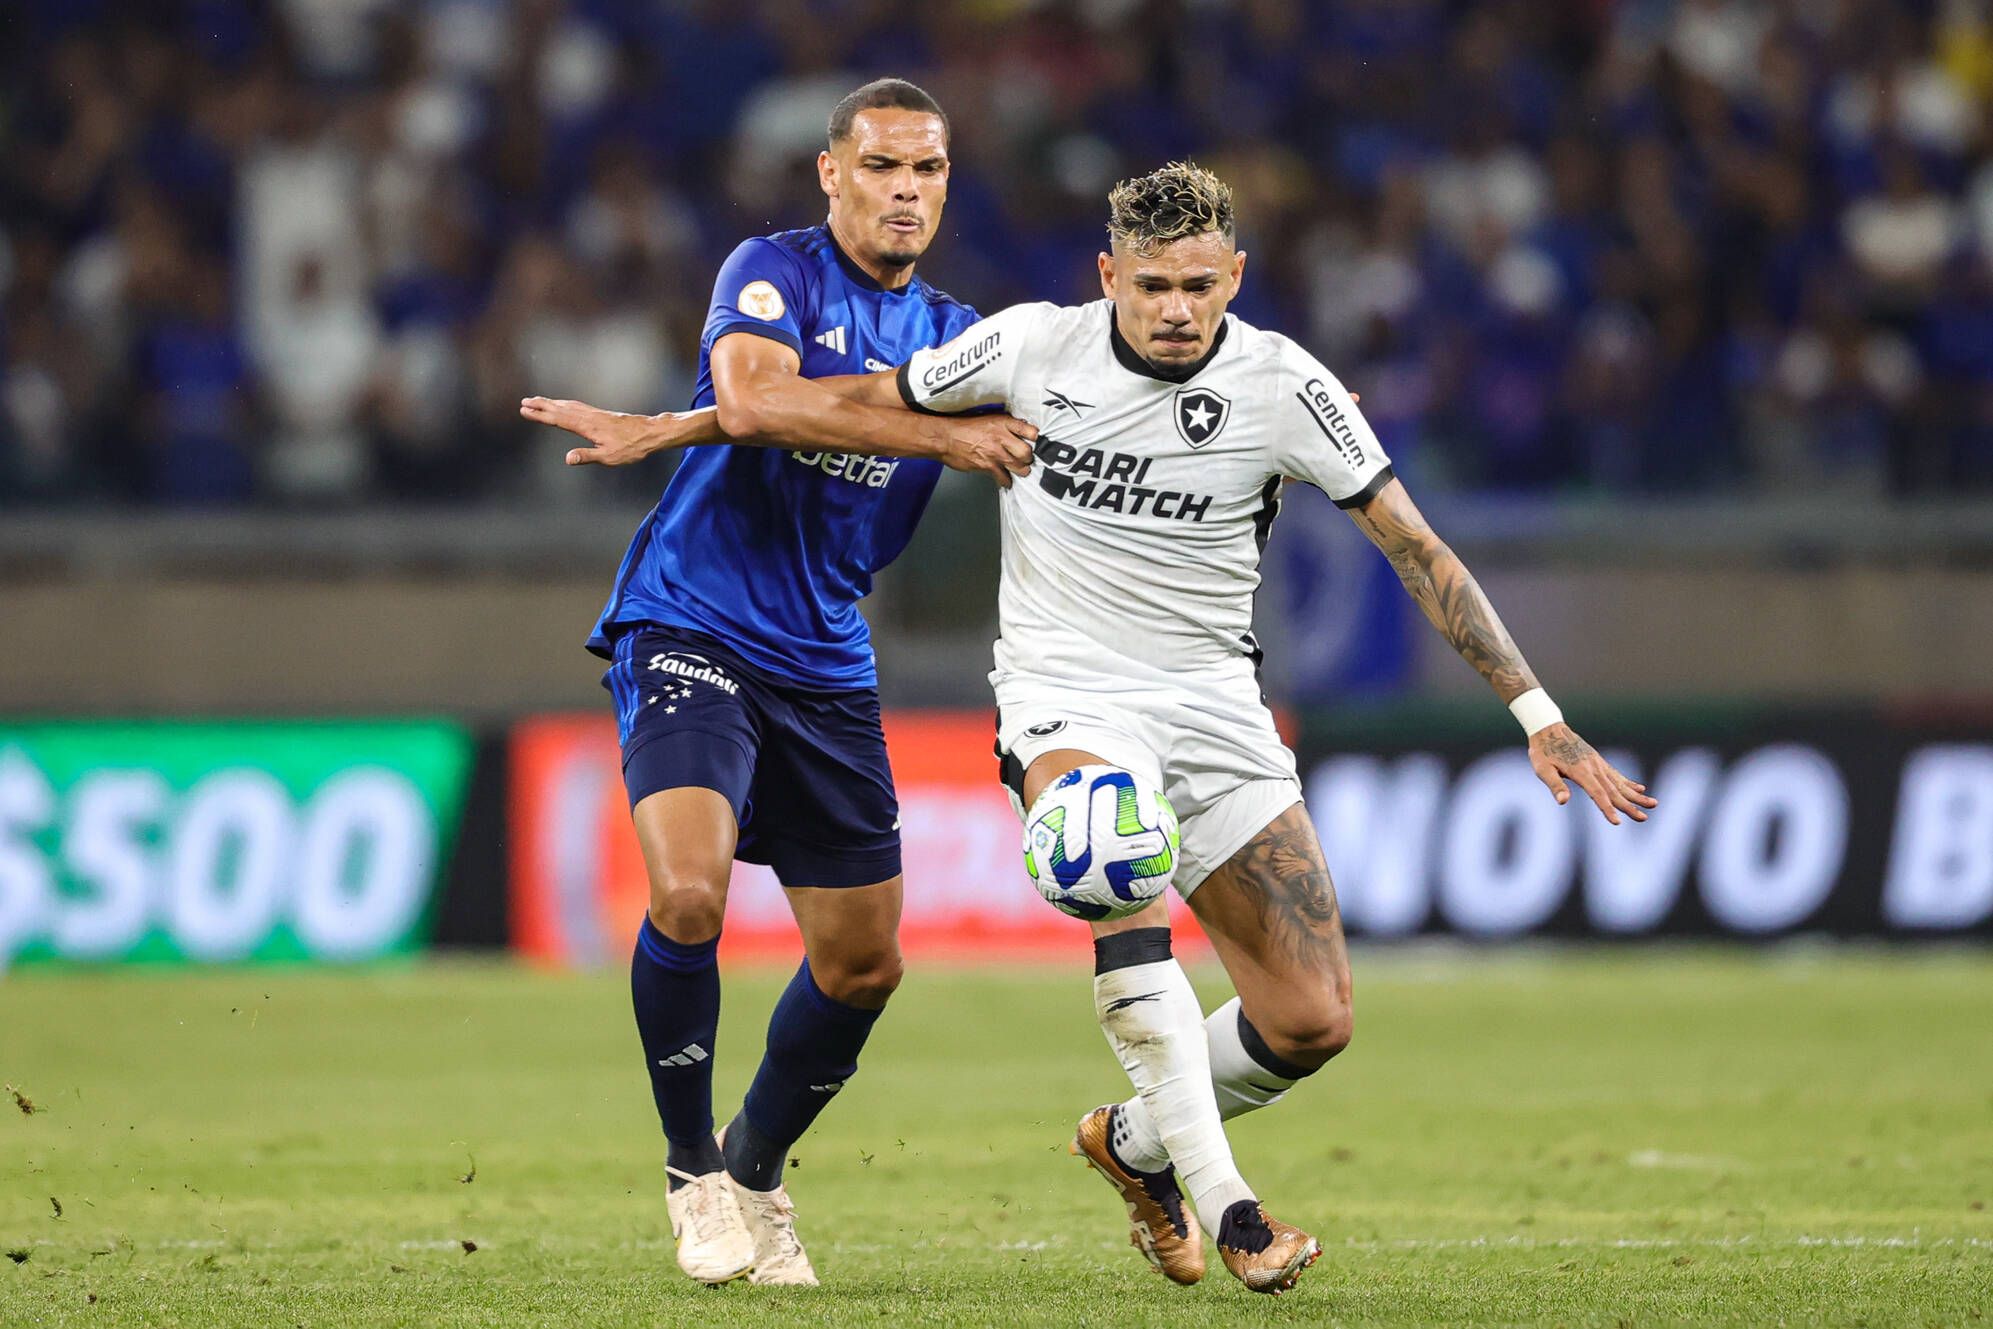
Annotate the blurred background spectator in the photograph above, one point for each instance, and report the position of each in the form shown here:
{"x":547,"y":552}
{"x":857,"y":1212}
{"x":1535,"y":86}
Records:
{"x":311,"y":252}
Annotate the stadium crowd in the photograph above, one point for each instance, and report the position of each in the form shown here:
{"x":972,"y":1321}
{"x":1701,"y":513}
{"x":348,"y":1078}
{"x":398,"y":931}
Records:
{"x":312,"y":252}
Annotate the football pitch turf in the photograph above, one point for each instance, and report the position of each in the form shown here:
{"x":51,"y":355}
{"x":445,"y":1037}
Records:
{"x":1556,"y":1137}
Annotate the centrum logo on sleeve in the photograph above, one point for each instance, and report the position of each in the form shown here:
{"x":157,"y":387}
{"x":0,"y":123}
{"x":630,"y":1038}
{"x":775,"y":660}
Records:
{"x":960,"y":366}
{"x":1329,"y":418}
{"x":760,"y":299}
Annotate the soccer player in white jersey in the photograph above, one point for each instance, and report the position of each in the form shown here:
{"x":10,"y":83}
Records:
{"x":1130,"y":558}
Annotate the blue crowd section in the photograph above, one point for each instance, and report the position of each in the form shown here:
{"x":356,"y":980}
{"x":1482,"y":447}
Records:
{"x":313,"y":252}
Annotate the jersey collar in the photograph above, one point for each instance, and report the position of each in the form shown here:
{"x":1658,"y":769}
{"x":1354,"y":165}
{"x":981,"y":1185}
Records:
{"x":1135,"y":364}
{"x":858,"y":277}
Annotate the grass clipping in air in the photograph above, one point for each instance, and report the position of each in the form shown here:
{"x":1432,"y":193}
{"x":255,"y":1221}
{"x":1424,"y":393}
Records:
{"x":1576,"y":1139}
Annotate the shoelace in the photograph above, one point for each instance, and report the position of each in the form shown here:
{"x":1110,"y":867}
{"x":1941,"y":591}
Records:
{"x":702,"y":1215}
{"x":778,"y":1206}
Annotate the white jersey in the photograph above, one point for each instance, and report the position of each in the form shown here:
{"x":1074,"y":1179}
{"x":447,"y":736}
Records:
{"x":1132,"y":550}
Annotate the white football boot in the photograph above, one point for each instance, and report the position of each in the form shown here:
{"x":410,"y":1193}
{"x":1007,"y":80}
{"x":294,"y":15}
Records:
{"x":713,"y":1243}
{"x":770,"y":1217}
{"x":779,"y":1259}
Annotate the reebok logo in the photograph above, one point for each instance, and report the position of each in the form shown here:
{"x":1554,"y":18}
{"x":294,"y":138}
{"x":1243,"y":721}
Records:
{"x":689,"y":1056}
{"x":1059,"y":401}
{"x":1126,"y":1002}
{"x":834,"y":339}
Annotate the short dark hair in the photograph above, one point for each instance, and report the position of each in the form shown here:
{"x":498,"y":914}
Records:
{"x":883,"y":94}
{"x":1178,"y":201}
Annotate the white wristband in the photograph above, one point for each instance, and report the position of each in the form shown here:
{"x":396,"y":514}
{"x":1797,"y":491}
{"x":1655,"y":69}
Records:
{"x":1534,"y":710}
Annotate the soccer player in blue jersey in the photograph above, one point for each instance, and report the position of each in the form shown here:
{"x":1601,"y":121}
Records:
{"x":742,"y":672}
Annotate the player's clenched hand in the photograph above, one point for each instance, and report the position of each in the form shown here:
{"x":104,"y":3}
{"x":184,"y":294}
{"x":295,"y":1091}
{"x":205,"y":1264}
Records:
{"x":997,"y":445}
{"x":1558,"y":754}
{"x":614,"y":438}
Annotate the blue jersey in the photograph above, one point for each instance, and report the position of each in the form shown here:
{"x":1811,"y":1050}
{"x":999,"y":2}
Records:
{"x":771,"y":550}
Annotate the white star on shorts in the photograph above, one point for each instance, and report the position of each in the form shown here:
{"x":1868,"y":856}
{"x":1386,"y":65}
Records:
{"x":671,"y":710}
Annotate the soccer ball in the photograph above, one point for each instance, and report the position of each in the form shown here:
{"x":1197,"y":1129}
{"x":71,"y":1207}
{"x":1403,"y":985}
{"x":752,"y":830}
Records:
{"x":1100,"y":842}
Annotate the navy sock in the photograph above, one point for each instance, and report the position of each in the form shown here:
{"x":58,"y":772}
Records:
{"x":813,"y":1045}
{"x":675,"y":989}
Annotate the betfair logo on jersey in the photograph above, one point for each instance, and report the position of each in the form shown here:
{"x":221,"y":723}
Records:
{"x":959,"y":366}
{"x":872,"y":472}
{"x":1200,"y":414}
{"x":1111,"y":481}
{"x":1329,"y":418}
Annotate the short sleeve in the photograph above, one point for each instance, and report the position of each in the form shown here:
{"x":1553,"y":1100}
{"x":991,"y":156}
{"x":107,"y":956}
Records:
{"x":1324,"y":438}
{"x":975,"y":368}
{"x":760,"y":289}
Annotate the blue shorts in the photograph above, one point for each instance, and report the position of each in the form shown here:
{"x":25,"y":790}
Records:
{"x":805,"y":770}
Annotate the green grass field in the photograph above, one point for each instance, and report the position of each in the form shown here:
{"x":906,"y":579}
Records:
{"x":1559,"y":1138}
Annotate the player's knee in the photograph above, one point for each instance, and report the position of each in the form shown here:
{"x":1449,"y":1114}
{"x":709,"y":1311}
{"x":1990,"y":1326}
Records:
{"x":1318,"y":1031}
{"x":865,"y":979}
{"x":687,"y":907}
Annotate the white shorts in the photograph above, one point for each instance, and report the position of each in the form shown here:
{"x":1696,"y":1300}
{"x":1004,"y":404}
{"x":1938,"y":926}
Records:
{"x":1214,"y":752}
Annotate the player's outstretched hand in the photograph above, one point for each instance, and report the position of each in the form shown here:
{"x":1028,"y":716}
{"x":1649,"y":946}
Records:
{"x":614,"y":438}
{"x":1558,"y":754}
{"x":997,"y":445}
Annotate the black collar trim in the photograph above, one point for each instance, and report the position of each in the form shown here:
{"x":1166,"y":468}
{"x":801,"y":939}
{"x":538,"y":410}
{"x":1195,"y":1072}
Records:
{"x":1135,"y":364}
{"x":859,"y":277}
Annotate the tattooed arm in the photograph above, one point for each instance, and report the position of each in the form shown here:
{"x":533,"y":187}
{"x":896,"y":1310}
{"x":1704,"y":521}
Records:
{"x":1435,"y":577}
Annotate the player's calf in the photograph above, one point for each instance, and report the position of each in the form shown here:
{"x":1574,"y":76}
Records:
{"x":1271,"y":912}
{"x":1150,"y":1015}
{"x":686,"y":835}
{"x":813,"y":1045}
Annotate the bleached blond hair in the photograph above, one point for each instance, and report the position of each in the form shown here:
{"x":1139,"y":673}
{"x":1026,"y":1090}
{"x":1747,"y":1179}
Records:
{"x":1180,"y":200}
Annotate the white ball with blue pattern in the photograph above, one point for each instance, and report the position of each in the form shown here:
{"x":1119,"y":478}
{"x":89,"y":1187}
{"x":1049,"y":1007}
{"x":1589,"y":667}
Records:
{"x":1100,"y":842}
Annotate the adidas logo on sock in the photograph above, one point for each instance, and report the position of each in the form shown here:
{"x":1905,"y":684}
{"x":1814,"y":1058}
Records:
{"x":690,"y":1056}
{"x":830,"y":1088}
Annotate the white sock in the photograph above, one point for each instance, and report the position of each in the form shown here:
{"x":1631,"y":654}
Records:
{"x":1238,"y":1082}
{"x":1151,"y":1018}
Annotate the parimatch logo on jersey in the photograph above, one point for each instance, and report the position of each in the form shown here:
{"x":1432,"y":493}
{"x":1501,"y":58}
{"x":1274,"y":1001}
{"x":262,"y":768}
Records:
{"x":1098,"y":479}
